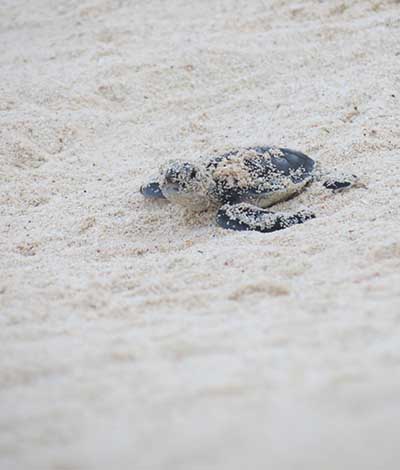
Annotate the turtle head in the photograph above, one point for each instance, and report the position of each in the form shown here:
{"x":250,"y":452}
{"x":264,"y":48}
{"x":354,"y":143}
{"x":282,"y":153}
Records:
{"x":184,"y":183}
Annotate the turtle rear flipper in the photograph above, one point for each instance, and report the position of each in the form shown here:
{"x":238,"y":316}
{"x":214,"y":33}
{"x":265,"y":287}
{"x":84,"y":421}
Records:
{"x":336,"y":185}
{"x":152,"y":190}
{"x":342,"y":182}
{"x":245,"y":216}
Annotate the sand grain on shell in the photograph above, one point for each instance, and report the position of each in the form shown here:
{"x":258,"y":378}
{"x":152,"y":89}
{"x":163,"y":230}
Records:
{"x":135,"y":336}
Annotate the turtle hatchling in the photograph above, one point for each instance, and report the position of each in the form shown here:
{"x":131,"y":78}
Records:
{"x":242,"y":184}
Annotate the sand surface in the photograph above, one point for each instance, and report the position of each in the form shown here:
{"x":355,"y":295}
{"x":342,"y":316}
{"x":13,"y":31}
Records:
{"x":134,"y":335}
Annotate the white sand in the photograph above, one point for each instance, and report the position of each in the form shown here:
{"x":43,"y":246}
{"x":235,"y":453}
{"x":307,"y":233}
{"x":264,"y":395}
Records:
{"x":134,"y":336}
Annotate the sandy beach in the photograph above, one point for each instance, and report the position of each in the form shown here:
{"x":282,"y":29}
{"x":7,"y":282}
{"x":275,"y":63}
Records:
{"x":137,"y":335}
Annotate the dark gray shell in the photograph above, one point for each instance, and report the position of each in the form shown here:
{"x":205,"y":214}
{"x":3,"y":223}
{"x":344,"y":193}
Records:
{"x":277,"y":174}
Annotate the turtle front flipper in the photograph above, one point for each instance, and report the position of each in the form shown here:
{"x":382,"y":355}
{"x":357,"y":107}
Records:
{"x":245,"y":216}
{"x":152,"y":190}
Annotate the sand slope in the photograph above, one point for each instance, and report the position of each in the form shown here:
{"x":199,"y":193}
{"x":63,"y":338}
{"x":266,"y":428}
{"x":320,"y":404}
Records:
{"x":136,"y":336}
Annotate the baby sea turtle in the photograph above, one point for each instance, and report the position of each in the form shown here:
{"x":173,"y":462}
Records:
{"x":243,"y":183}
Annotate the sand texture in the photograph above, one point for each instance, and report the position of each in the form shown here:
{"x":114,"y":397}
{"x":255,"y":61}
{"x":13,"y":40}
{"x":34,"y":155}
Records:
{"x":135,"y":335}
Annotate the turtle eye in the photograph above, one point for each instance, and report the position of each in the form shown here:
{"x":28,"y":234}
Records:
{"x":190,"y":170}
{"x":171,"y":175}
